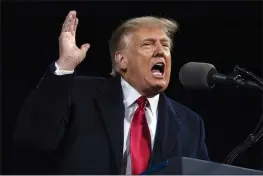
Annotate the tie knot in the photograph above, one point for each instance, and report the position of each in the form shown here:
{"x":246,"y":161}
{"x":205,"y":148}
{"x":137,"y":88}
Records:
{"x":142,"y":101}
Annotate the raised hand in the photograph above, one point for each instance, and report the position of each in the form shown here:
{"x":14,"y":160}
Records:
{"x":69,"y":54}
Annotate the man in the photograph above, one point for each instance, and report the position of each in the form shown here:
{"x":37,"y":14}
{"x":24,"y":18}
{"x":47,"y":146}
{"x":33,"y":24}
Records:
{"x":121,"y":125}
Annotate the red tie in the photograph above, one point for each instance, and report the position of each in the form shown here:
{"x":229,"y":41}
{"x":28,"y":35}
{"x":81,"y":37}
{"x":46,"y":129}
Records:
{"x":140,"y":142}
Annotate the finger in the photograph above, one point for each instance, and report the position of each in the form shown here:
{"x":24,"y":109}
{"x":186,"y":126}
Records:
{"x":76,"y":24}
{"x":72,"y":25}
{"x":84,"y":48}
{"x":74,"y":29}
{"x":67,"y":26}
{"x":69,"y":19}
{"x":71,"y":29}
{"x":70,"y":15}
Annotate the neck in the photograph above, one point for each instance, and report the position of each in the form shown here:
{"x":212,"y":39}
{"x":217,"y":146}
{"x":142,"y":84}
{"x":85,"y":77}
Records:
{"x":148,"y":92}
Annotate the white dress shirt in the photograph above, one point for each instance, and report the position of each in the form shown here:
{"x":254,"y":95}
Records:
{"x":130,"y":95}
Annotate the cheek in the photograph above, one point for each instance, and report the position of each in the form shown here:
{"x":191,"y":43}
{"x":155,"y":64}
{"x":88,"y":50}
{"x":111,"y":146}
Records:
{"x":169,"y":66}
{"x":143,"y":61}
{"x":139,"y":61}
{"x":169,"y":61}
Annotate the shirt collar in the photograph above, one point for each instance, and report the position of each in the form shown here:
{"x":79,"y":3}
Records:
{"x":130,"y":95}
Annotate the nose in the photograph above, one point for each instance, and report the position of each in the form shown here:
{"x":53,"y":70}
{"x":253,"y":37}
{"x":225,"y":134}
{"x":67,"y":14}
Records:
{"x":159,"y":50}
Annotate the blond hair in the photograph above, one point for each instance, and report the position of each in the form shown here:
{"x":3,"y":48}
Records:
{"x":118,"y":42}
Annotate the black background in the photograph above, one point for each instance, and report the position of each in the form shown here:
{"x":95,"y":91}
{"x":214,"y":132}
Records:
{"x":221,"y":33}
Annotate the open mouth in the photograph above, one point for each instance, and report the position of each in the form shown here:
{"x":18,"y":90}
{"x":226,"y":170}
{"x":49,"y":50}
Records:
{"x":158,"y":70}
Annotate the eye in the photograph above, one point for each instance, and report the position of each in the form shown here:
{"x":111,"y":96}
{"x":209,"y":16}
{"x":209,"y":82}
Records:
{"x":166,"y":45}
{"x":146,"y":44}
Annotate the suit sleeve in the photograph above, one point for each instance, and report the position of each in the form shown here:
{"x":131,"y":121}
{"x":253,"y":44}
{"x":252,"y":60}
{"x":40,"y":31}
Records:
{"x":45,"y":114}
{"x":202,"y":150}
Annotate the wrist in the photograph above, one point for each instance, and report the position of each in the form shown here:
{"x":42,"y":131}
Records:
{"x":64,"y":65}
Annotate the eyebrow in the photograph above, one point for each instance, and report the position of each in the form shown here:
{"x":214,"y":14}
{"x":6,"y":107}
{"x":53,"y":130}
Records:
{"x":153,"y":39}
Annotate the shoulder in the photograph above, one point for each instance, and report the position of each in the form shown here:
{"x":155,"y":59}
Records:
{"x":88,"y":80}
{"x":185,"y":114}
{"x":85,"y":85}
{"x":181,"y":109}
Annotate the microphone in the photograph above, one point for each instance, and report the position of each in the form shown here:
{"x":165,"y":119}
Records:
{"x":196,"y":75}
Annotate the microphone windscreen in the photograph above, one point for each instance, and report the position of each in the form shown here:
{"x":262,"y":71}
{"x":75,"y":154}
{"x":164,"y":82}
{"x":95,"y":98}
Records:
{"x":194,"y":75}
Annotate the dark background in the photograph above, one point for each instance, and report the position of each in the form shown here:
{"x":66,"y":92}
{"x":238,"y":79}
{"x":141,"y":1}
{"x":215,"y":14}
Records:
{"x":221,"y":33}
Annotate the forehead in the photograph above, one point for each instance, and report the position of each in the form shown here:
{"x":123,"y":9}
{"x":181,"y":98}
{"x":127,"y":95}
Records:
{"x":144,"y":33}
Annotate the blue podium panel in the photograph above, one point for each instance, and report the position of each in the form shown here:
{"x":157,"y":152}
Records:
{"x":190,"y":166}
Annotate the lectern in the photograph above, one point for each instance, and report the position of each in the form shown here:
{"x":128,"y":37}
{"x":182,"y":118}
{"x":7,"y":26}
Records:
{"x":189,"y":166}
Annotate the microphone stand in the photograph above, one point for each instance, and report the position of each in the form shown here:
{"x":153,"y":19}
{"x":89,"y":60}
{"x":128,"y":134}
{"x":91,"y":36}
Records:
{"x":255,"y":77}
{"x":257,"y":133}
{"x":249,"y":73}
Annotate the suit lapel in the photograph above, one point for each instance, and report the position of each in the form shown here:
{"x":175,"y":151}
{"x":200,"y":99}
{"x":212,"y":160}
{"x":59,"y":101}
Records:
{"x":110,"y":104}
{"x":168,"y":128}
{"x":109,"y":100}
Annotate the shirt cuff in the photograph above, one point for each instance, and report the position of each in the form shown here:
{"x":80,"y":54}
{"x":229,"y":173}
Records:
{"x":62,"y":72}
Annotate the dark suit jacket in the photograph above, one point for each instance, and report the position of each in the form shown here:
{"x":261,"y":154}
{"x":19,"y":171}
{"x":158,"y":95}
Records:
{"x":80,"y":121}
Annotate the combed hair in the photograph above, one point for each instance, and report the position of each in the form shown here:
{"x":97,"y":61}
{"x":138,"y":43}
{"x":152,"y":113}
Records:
{"x":118,"y":42}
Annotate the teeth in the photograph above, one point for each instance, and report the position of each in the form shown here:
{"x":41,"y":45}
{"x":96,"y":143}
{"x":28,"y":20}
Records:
{"x":157,"y":74}
{"x":159,"y":64}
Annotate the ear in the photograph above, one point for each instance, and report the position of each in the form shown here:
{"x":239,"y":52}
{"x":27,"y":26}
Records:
{"x":121,"y":61}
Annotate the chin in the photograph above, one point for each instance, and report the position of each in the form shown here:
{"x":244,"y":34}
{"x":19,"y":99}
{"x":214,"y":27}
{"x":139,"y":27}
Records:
{"x":159,"y":86}
{"x":155,"y":85}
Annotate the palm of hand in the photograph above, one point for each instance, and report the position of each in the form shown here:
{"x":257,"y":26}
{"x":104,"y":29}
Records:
{"x":70,"y":54}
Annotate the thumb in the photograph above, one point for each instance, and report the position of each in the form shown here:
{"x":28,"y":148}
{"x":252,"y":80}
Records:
{"x":84,"y":48}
